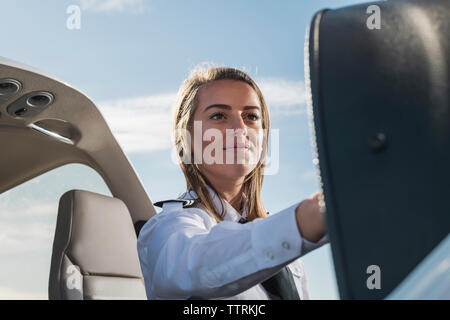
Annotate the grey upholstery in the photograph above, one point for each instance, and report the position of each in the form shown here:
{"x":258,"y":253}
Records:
{"x":94,"y":250}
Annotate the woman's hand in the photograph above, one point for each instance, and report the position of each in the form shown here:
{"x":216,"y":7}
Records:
{"x":310,"y":218}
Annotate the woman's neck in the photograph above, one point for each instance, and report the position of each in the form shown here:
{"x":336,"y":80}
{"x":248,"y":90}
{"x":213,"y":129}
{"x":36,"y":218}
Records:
{"x":233,"y":197}
{"x":231,"y":191}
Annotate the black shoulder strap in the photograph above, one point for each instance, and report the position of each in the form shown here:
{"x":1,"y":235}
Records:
{"x":186,"y":203}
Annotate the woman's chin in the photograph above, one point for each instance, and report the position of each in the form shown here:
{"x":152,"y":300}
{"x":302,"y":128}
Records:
{"x":231,"y":170}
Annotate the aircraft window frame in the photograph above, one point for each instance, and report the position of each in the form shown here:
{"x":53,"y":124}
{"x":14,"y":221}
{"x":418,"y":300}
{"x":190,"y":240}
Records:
{"x":28,"y":215}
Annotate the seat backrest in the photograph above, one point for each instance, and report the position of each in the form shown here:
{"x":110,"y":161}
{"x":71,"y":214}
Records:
{"x":94,"y":250}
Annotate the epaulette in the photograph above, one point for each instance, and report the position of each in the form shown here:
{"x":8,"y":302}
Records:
{"x":186,"y":203}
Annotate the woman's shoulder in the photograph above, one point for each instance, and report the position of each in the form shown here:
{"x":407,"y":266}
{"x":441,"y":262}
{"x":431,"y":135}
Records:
{"x":186,"y":203}
{"x":177,"y":212}
{"x":180,"y":210}
{"x":176,"y":218}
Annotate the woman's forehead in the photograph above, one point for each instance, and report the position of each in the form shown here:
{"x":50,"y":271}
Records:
{"x":230,"y":92}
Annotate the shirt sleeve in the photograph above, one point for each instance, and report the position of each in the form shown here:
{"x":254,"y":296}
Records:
{"x":182,"y":256}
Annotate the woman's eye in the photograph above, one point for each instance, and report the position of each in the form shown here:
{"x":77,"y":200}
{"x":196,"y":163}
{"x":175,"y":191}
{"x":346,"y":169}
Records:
{"x":217,"y":116}
{"x":253,"y":116}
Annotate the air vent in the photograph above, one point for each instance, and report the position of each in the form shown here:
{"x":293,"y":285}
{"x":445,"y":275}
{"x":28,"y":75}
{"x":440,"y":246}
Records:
{"x":40,"y":100}
{"x":9,"y":88}
{"x":30,"y":104}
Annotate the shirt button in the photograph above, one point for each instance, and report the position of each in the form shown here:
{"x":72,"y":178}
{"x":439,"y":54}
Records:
{"x":270,"y":255}
{"x":286,"y":245}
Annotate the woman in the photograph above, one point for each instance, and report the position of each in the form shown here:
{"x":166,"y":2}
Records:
{"x":196,"y":248}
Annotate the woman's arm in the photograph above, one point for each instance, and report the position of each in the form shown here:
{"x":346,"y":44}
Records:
{"x":182,"y":255}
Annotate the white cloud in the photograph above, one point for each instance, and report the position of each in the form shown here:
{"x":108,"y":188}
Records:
{"x":131,"y":6}
{"x":28,"y":227}
{"x":144,"y":124}
{"x":27,"y":210}
{"x":141,"y":124}
{"x":30,"y":237}
{"x":284,"y":97}
{"x":13,"y":294}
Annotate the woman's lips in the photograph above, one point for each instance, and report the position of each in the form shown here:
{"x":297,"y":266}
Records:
{"x":237,"y":148}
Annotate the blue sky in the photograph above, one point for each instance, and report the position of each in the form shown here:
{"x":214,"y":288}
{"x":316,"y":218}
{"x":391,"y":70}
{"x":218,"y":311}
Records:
{"x":130,"y":57}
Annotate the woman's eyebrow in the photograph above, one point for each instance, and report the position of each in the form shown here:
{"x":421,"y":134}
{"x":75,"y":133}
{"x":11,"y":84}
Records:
{"x":227,"y":107}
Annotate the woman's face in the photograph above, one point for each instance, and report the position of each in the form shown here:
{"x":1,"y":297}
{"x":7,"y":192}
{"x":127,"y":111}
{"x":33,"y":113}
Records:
{"x":227,"y":129}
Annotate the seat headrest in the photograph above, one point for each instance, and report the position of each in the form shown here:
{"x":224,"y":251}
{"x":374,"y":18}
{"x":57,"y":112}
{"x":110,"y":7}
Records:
{"x":96,"y":232}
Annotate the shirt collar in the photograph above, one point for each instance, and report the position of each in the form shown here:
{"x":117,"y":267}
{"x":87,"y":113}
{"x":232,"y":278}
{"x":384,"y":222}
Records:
{"x":231,"y":214}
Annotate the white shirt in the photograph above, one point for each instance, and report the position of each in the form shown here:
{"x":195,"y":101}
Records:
{"x":185,"y":253}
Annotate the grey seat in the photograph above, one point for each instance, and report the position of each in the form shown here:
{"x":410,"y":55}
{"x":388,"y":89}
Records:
{"x":94,"y":250}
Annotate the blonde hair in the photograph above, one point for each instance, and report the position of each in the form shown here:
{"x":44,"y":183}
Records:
{"x":185,"y":107}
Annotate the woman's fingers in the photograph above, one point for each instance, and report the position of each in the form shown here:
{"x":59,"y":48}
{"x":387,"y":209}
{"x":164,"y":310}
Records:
{"x":310,"y":217}
{"x":321,"y":200}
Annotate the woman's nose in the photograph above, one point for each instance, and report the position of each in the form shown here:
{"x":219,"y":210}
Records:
{"x":239,"y":124}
